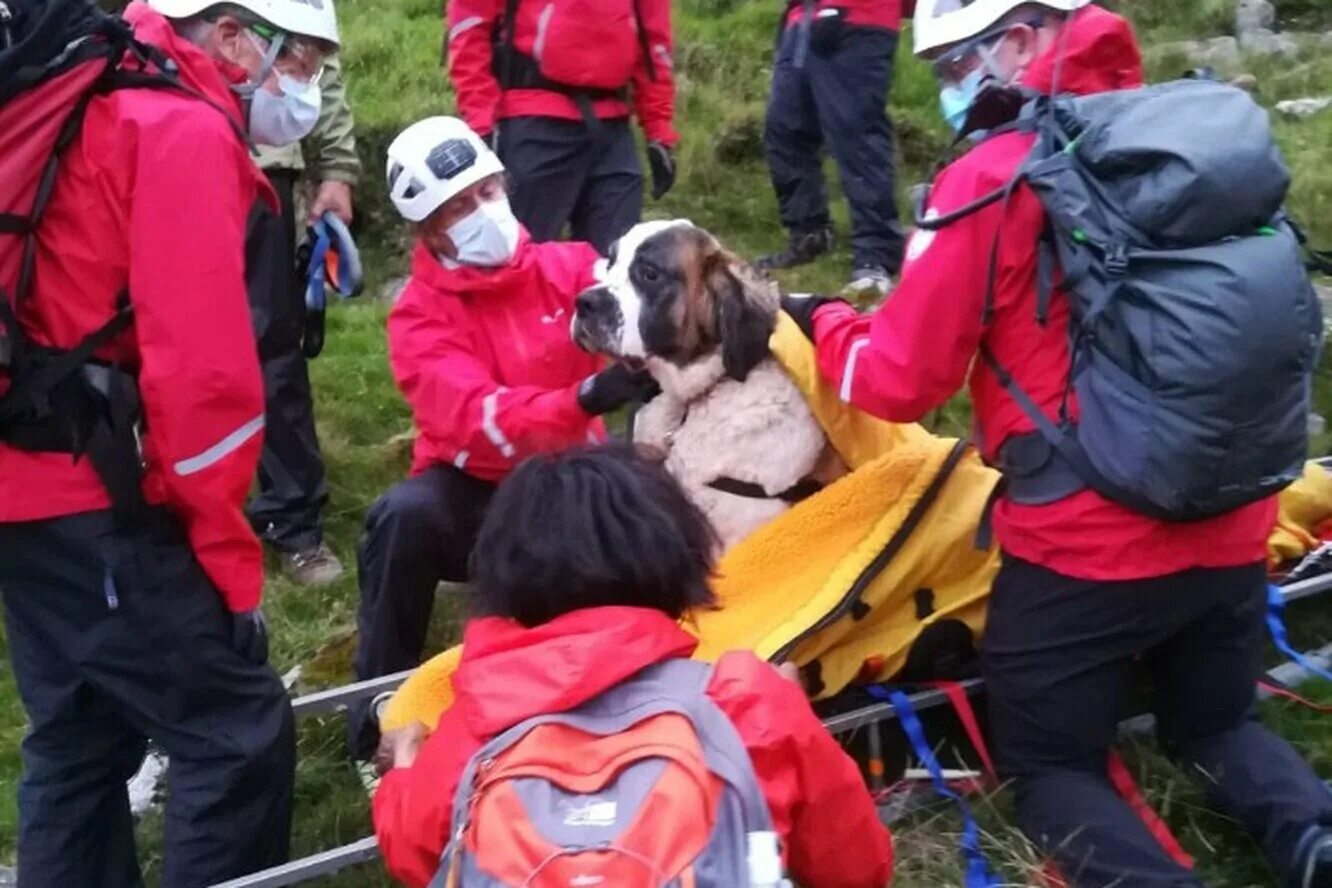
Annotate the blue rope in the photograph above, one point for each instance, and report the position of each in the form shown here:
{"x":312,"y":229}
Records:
{"x":1275,"y":606}
{"x":978,"y":868}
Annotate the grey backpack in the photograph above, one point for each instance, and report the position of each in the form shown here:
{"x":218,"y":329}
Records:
{"x":646,"y":785}
{"x":1195,"y":329}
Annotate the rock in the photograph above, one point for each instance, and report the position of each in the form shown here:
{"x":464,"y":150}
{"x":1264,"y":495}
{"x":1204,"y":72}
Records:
{"x":1218,"y":52}
{"x":392,"y":290}
{"x":1266,"y":43}
{"x":1246,"y":82}
{"x":1324,"y":292}
{"x":1254,"y":15}
{"x":1303,"y":107}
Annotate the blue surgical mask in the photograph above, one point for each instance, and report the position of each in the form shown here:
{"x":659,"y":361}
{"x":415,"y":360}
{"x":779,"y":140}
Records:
{"x":956,"y":101}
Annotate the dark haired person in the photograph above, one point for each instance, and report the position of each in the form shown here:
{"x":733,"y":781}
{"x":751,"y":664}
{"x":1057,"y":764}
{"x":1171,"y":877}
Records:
{"x":583,"y":568}
{"x":479,"y":344}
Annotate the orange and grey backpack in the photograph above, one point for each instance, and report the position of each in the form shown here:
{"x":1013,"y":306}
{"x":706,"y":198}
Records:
{"x":647,"y":785}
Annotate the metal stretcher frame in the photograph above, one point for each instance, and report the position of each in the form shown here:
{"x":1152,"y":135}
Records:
{"x":365,"y":850}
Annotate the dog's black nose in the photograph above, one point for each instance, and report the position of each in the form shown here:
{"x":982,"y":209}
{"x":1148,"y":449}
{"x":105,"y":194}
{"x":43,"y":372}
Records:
{"x":592,"y":301}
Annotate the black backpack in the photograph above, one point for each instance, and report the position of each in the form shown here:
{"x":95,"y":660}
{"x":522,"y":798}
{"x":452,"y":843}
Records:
{"x":1195,"y":329}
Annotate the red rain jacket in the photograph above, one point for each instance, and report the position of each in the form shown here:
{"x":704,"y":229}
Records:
{"x":152,"y":199}
{"x":471,"y":32}
{"x":867,"y":13}
{"x":829,"y":828}
{"x":918,"y":349}
{"x":484,"y":358}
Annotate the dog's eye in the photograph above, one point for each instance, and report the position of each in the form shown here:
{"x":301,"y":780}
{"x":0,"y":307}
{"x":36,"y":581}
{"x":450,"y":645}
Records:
{"x":649,"y":273}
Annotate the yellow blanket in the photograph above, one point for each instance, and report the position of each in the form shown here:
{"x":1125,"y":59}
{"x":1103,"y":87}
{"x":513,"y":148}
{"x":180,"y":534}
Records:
{"x":786,"y":590}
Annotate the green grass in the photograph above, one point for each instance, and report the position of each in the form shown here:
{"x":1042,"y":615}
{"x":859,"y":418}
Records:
{"x":393,"y":65}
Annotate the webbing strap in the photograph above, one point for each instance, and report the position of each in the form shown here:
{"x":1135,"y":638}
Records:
{"x":1275,"y":625}
{"x":1045,"y":270}
{"x":1127,"y":788}
{"x":13,"y":223}
{"x":961,"y":703}
{"x":1285,"y":693}
{"x":978,"y":873}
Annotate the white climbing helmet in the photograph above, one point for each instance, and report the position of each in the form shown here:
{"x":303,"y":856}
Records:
{"x":941,"y":23}
{"x":431,"y":161}
{"x":304,"y":18}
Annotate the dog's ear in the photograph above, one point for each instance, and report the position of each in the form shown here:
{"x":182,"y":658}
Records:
{"x":744,"y":316}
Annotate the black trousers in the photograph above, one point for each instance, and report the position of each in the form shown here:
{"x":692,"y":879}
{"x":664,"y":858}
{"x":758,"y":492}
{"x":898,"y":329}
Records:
{"x":117,"y":636}
{"x":288,"y":508}
{"x":418,"y":534}
{"x":561,"y":172}
{"x":1056,"y":655}
{"x":839,"y":97}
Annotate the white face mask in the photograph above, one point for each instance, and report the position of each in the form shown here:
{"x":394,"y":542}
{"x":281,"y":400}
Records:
{"x":287,"y":117}
{"x":488,"y":237}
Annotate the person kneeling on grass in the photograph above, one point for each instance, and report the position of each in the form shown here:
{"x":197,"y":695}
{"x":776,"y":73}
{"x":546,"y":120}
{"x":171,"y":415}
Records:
{"x":585,"y":563}
{"x":480,"y":347}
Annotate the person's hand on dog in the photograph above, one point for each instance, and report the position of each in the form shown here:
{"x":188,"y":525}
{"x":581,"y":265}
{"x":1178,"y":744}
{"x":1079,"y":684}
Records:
{"x":398,"y":749}
{"x":802,"y":307}
{"x":612,"y":388}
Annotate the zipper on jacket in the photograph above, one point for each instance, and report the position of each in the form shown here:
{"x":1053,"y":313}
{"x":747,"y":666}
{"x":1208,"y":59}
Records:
{"x":850,"y":601}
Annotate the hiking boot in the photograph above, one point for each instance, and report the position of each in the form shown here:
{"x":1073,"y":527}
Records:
{"x":312,"y":567}
{"x":872,"y":281}
{"x":1313,"y":860}
{"x":803,"y":248}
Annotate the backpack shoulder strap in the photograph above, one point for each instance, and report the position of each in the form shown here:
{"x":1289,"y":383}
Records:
{"x":643,"y":43}
{"x":508,"y":27}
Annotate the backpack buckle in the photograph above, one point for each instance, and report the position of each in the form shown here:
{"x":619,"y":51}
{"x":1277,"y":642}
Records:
{"x":1117,"y":261}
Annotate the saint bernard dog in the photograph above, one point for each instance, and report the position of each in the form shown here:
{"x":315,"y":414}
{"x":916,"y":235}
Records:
{"x":734,"y":429}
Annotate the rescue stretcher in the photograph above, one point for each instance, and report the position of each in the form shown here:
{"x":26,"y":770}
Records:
{"x":894,"y":564}
{"x":870,"y":718}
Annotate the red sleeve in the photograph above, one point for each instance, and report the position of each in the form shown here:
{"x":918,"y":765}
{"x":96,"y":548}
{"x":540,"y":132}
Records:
{"x":412,"y":809}
{"x":486,"y":428}
{"x":654,"y":86}
{"x":914,"y":352}
{"x":471,"y":26}
{"x":820,"y":807}
{"x":199,"y":378}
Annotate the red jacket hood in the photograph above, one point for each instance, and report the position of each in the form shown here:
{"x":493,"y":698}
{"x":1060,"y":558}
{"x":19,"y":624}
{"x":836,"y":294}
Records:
{"x":1099,"y":53}
{"x":510,"y":673}
{"x":198,"y":70}
{"x":466,"y":280}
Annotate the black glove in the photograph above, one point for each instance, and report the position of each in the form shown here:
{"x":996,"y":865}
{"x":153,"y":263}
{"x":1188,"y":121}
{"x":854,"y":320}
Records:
{"x":249,"y":635}
{"x":801,"y":309}
{"x":662,"y":162}
{"x":614,"y":387}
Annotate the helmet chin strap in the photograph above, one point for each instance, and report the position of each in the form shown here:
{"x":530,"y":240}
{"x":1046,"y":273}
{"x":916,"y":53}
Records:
{"x":245,"y":90}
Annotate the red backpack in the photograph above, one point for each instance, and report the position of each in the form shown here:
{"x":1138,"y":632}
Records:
{"x":55,"y":57}
{"x":587,"y":49}
{"x":646,"y":786}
